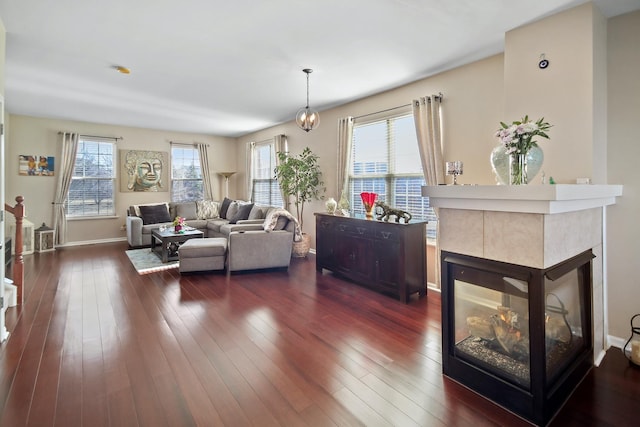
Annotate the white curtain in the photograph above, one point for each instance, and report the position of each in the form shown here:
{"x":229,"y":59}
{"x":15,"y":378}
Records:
{"x":207,"y":182}
{"x":426,"y":114}
{"x":280,"y":145}
{"x":345,"y":142}
{"x":251,"y":155}
{"x":65,"y":173}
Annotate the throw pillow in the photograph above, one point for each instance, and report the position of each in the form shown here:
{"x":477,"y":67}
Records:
{"x":136,"y":208}
{"x":242,"y":213}
{"x":233,"y":209}
{"x":186,"y":210}
{"x":281,"y":224}
{"x":224,"y":207}
{"x":154,"y":214}
{"x":258,"y":212}
{"x":206,"y":209}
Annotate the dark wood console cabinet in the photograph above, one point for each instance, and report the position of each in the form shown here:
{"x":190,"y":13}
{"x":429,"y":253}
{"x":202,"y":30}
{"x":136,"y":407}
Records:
{"x":385,"y":256}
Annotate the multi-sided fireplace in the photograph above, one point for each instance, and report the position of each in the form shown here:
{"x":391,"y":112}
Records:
{"x":520,"y":336}
{"x":522,"y":289}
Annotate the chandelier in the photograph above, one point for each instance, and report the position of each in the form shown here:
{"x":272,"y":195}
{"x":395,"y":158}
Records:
{"x":307,"y":118}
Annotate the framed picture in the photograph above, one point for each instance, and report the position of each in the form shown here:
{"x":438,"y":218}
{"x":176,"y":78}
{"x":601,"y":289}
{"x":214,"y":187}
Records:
{"x":34,"y":165}
{"x":144,"y":171}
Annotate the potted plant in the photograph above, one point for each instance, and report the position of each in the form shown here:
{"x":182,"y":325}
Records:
{"x":300,"y":177}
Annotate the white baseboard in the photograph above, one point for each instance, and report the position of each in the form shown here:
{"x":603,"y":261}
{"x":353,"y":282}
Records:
{"x":616,"y":341}
{"x":92,"y":242}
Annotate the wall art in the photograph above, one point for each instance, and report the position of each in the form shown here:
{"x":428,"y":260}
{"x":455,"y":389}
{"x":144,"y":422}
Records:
{"x":144,"y":171}
{"x":34,"y":165}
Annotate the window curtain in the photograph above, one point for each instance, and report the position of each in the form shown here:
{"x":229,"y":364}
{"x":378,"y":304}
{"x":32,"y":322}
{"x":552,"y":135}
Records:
{"x":345,"y":142}
{"x":207,"y":182}
{"x":426,"y":115}
{"x":65,"y":172}
{"x":280,"y":145}
{"x":251,"y":153}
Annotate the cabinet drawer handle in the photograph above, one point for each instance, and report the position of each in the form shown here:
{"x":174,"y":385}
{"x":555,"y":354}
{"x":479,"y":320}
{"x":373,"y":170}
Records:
{"x":361,"y":230}
{"x":385,"y":234}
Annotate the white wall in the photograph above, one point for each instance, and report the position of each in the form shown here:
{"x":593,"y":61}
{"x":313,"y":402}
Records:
{"x":30,"y":135}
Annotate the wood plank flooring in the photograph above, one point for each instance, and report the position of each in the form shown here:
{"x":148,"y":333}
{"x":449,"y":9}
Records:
{"x":95,"y":344}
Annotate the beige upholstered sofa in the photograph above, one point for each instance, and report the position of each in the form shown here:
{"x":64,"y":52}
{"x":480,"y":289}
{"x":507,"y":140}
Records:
{"x":250,"y":246}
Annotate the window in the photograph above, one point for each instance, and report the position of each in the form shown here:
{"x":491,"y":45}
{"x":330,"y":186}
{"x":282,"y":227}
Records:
{"x":91,"y":192}
{"x":386,"y":161}
{"x":264,"y":187}
{"x":186,"y":174}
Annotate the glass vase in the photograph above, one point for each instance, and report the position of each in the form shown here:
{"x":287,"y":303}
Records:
{"x":500,"y":163}
{"x":518,"y":169}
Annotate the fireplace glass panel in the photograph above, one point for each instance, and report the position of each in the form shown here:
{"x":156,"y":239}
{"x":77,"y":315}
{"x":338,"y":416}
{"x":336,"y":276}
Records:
{"x":564,"y":317}
{"x":492,"y":328}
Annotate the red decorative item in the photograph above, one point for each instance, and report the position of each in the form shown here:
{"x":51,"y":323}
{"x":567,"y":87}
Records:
{"x":368,"y":199}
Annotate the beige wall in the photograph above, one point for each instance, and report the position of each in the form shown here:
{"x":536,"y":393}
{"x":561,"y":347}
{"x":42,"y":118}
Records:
{"x":3,"y":43}
{"x":472,"y":110}
{"x":565,"y":92}
{"x":28,"y":135}
{"x":623,"y":230}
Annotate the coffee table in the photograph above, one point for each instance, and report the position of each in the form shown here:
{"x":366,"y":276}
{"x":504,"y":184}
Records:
{"x":169,"y":242}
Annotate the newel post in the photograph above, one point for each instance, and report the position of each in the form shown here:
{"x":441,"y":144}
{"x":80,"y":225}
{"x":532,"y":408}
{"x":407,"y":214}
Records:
{"x":18,"y":261}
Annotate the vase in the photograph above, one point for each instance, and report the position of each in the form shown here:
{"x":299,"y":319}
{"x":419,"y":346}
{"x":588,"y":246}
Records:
{"x":368,"y":200}
{"x":518,"y":169}
{"x":500,"y":163}
{"x":177,"y":228}
{"x":331,"y":206}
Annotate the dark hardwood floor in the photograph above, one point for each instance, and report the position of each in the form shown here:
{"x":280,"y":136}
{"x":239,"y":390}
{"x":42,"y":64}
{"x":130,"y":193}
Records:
{"x":96,"y":344}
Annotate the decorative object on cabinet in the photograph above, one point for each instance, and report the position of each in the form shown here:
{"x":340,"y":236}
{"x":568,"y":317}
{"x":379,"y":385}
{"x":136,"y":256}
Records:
{"x":44,"y":237}
{"x":368,"y":200}
{"x":387,"y":257}
{"x":388,"y":211}
{"x":331,"y":206}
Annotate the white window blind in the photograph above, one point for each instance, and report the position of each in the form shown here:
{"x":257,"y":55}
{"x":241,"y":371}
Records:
{"x":91,"y":192}
{"x":386,"y":161}
{"x":186,"y":174}
{"x":264,"y":187}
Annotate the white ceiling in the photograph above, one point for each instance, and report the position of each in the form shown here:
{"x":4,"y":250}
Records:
{"x":232,"y":67}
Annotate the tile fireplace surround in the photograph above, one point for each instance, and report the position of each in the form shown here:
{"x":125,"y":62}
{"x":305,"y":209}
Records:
{"x":531,"y":225}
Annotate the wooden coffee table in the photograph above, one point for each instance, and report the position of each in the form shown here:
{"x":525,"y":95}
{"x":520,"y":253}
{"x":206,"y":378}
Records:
{"x":165,"y":243}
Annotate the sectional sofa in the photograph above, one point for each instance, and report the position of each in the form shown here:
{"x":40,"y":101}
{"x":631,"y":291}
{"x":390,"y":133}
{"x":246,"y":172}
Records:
{"x":252,"y":244}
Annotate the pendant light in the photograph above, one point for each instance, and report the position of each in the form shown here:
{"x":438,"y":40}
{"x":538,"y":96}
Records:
{"x":307,"y":118}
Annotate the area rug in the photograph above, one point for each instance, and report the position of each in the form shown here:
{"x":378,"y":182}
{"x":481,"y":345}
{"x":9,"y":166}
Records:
{"x":145,"y":262}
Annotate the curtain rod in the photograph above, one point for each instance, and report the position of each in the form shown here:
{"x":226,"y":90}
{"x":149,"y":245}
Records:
{"x":440,"y":95}
{"x":96,"y":136}
{"x":186,"y":143}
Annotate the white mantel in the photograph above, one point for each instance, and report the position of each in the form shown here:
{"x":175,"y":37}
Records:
{"x":537,"y":226}
{"x":543,"y":199}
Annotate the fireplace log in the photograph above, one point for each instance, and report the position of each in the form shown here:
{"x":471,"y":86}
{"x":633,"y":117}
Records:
{"x":480,"y":327}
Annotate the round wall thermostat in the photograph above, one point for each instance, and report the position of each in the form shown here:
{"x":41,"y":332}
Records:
{"x":543,"y":64}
